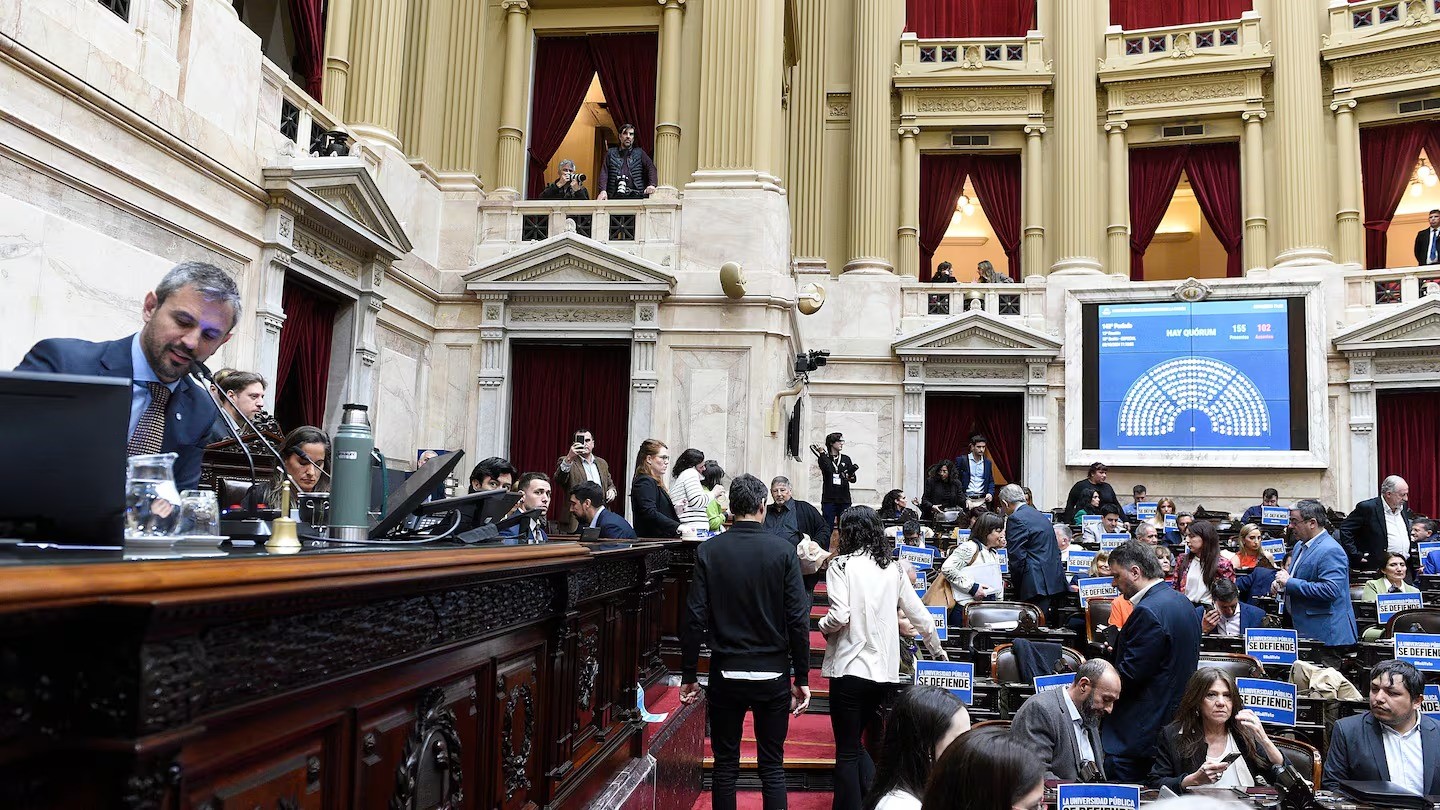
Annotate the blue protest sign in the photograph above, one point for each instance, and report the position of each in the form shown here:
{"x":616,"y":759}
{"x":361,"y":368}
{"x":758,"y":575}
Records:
{"x":1004,"y":556}
{"x":1274,"y":516}
{"x":922,"y":558}
{"x":961,"y":535}
{"x":1146,"y":509}
{"x":1086,"y":520}
{"x":1091,"y":587}
{"x":1430,"y":703}
{"x":1272,"y":701}
{"x":1272,"y":646}
{"x":1388,"y":604}
{"x":1426,"y":548}
{"x":955,"y":676}
{"x":1044,"y":683}
{"x":1098,"y":797}
{"x":1420,"y":649}
{"x":1170,"y":524}
{"x":941,"y":615}
{"x":922,"y":589}
{"x":1275,"y":546}
{"x":1080,"y":560}
{"x":1109,"y":541}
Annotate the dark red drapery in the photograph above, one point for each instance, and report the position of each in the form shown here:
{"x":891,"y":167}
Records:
{"x":951,"y":419}
{"x":563,"y":74}
{"x":558,"y":388}
{"x":969,"y":18}
{"x":1154,"y":174}
{"x":1387,"y":159}
{"x":942,"y":178}
{"x":304,"y":359}
{"x":307,"y":21}
{"x":627,"y":67}
{"x":1214,"y":172}
{"x":997,"y":184}
{"x":1409,"y":445}
{"x":1133,"y":14}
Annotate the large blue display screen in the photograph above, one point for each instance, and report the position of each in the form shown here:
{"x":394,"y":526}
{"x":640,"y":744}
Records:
{"x":1212,"y":375}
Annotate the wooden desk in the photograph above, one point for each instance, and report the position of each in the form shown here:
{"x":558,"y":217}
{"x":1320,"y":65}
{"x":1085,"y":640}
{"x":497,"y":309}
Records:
{"x":498,"y":677}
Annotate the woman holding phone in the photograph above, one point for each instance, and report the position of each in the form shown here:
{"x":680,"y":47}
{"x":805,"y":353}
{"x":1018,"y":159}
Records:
{"x":1214,"y":742}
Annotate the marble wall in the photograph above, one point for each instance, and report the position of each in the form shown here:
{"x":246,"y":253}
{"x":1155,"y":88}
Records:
{"x":400,"y":396}
{"x":710,"y":388}
{"x":871,"y":430}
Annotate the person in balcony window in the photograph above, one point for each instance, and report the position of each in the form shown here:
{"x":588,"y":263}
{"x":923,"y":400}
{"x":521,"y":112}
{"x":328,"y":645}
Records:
{"x":987,"y":274}
{"x":943,"y":274}
{"x":570,"y":185}
{"x":1427,"y":242}
{"x":627,"y":173}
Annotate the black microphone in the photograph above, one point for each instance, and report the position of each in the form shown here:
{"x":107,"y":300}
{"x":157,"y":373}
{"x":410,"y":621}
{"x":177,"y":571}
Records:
{"x":201,"y":376}
{"x":198,"y":369}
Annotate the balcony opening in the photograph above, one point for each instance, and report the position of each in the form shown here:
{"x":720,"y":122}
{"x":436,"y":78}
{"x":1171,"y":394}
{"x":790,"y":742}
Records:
{"x":1412,"y":216}
{"x":970,"y":212}
{"x":1400,"y":188}
{"x":585,"y":89}
{"x":967,"y":19}
{"x":292,"y":37}
{"x":1185,"y":217}
{"x":1133,"y":15}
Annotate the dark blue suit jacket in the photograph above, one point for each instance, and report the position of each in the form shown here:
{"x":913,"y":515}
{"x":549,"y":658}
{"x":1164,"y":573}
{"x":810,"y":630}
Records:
{"x":987,"y":483}
{"x":1357,"y":752}
{"x":1035,"y":567}
{"x":188,"y":418}
{"x":1157,"y":652}
{"x":612,"y":525}
{"x":1317,"y":597}
{"x":1250,"y":616}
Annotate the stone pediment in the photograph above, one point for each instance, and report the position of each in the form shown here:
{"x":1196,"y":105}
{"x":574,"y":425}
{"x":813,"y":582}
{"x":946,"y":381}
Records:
{"x":571,"y":263}
{"x":1416,"y":326}
{"x":976,"y":333}
{"x":337,"y":198}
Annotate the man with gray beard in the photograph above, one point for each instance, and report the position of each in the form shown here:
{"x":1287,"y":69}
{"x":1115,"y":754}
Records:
{"x":1063,"y":725}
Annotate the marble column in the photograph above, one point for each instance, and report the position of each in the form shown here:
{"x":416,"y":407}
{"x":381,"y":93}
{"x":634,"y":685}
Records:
{"x":738,"y":99}
{"x":667,"y":109}
{"x":1036,"y":440}
{"x":909,"y":232}
{"x":1252,"y":174}
{"x":1364,"y":460}
{"x":1117,"y":234}
{"x":1032,"y":203}
{"x":873,"y":55}
{"x":337,"y":56}
{"x":460,"y":141}
{"x":427,"y":60}
{"x":511,"y":153}
{"x":492,"y":414}
{"x":1078,"y":29}
{"x":806,"y":177}
{"x":644,"y":378}
{"x":1303,"y":231}
{"x":913,"y":478}
{"x":372,"y":99}
{"x":275,"y":252}
{"x":1348,"y":225}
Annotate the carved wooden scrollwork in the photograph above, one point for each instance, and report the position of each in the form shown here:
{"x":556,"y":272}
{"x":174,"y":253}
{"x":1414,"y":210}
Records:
{"x":429,"y":774}
{"x":515,"y":754}
{"x":589,"y":667}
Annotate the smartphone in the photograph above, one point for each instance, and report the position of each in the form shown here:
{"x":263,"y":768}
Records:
{"x":579,"y":438}
{"x":1231,"y":757}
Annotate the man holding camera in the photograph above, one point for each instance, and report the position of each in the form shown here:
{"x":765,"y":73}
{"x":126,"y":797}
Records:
{"x":626,"y":173}
{"x":570,"y":185}
{"x":581,"y":465}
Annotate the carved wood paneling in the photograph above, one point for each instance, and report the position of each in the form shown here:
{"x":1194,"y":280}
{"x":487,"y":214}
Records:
{"x":517,"y":709}
{"x":293,"y":778}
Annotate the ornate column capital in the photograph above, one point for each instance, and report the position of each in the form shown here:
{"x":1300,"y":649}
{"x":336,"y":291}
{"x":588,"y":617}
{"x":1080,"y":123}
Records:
{"x":1113,"y":126}
{"x":669,"y":4}
{"x":1253,"y":116}
{"x":518,"y":6}
{"x":1345,"y":105}
{"x":1035,"y":130}
{"x":908,"y":131}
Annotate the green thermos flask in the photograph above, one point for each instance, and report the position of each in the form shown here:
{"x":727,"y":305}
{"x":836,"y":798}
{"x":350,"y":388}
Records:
{"x":350,"y":475}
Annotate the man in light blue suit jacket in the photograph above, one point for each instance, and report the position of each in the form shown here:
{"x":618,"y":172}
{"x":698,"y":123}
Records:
{"x":1316,"y":586}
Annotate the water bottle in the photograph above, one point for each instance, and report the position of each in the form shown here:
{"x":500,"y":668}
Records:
{"x":350,"y":475}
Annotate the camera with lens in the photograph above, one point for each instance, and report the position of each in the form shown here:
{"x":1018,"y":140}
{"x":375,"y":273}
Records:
{"x":580,"y":178}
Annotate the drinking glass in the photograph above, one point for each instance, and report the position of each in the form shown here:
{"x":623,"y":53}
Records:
{"x":152,"y":503}
{"x":199,"y":513}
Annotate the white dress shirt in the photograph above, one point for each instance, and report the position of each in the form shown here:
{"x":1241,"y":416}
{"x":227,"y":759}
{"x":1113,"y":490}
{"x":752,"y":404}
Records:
{"x":1229,"y":626}
{"x":1397,"y":539}
{"x":977,"y":477}
{"x":1087,"y":752}
{"x":1405,"y":757}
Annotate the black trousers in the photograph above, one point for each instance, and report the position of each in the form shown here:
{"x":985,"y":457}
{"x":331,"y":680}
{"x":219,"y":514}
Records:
{"x":1128,"y":770}
{"x":855,"y":705}
{"x":728,"y":702}
{"x":1049,"y":605}
{"x":831,"y":513}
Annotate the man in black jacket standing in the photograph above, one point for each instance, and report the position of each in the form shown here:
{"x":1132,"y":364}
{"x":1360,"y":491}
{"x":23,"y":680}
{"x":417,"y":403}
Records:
{"x":837,"y":473}
{"x":748,"y":603}
{"x":626,"y":173}
{"x":1378,"y":525}
{"x":1094,"y":479}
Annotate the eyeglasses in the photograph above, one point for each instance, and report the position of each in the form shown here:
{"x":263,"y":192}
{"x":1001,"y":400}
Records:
{"x":663,"y":458}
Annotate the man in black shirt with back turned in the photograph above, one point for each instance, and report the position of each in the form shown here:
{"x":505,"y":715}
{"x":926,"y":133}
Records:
{"x":748,"y":603}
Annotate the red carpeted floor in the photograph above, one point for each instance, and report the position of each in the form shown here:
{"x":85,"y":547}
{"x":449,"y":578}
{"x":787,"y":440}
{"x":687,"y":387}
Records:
{"x":817,"y":641}
{"x":750,"y":800}
{"x":810,"y":739}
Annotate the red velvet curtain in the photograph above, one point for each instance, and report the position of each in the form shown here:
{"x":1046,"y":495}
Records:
{"x":627,"y":67}
{"x":997,"y":184}
{"x":1387,"y":159}
{"x":564,"y":69}
{"x":307,"y":22}
{"x":951,"y":419}
{"x":969,"y":18}
{"x":1154,"y":174}
{"x":304,"y":360}
{"x":1133,"y":14}
{"x":1409,"y":445}
{"x":1214,"y":172}
{"x":556,"y":389}
{"x":942,"y":178}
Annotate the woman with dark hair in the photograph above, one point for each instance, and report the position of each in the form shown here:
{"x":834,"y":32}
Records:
{"x":923,"y":723}
{"x":987,"y":770}
{"x":1196,"y":750}
{"x":654,"y":513}
{"x":987,"y":534}
{"x":688,"y":494}
{"x":895,"y":507}
{"x":711,"y":476}
{"x":1391,"y":580}
{"x":304,"y":454}
{"x":1089,"y":504}
{"x":942,"y":486}
{"x":1201,"y":564}
{"x":862,"y":642}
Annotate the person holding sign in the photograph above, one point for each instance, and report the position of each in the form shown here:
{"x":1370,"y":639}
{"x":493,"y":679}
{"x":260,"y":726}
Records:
{"x":862,"y":642}
{"x":1270,"y":497}
{"x":1391,"y":580}
{"x":973,"y":568}
{"x":1422,"y":530}
{"x":1035,"y":569}
{"x":1156,"y":651}
{"x":1393,"y":742}
{"x":1063,"y":725}
{"x":1202,"y":564}
{"x":1213,"y":741}
{"x":988,"y":769}
{"x":925,"y":720}
{"x":1315,"y":582}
